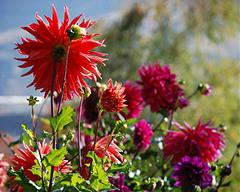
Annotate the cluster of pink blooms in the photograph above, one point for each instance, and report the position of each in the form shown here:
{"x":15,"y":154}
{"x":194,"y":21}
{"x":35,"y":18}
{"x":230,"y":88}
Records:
{"x":3,"y":170}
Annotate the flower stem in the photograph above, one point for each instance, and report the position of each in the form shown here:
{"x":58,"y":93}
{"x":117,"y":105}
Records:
{"x":96,"y":129}
{"x":159,"y":123}
{"x":53,"y":132}
{"x":170,"y":122}
{"x":194,"y":93}
{"x":64,"y":77}
{"x":230,"y":164}
{"x":79,"y":132}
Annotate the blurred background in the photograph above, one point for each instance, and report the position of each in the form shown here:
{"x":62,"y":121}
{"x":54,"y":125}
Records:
{"x":199,"y":39}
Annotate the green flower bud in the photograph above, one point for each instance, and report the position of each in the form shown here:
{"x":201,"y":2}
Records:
{"x":76,"y":32}
{"x":32,"y":100}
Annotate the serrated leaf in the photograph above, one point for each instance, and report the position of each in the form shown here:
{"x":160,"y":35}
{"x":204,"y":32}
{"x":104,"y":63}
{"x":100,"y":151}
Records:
{"x":63,"y":119}
{"x":28,"y":131}
{"x":55,"y":157}
{"x":118,"y":167}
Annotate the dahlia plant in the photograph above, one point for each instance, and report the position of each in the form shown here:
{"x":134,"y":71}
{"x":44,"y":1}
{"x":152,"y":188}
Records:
{"x":104,"y":142}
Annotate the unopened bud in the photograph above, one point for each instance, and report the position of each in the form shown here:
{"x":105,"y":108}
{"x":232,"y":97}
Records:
{"x":76,"y":32}
{"x":226,"y":170}
{"x":32,"y":100}
{"x":182,"y":82}
{"x":205,"y":89}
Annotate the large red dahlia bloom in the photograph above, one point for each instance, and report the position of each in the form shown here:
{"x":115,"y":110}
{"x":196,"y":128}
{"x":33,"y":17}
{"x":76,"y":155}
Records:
{"x":25,"y":159}
{"x":47,"y":53}
{"x":203,"y":141}
{"x":113,"y":98}
{"x":160,"y":89}
{"x":134,"y":100}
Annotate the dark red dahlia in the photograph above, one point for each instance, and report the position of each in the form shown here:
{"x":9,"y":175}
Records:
{"x":25,"y":159}
{"x":47,"y":53}
{"x":160,"y":89}
{"x":90,"y":106}
{"x":202,"y":141}
{"x":191,"y":171}
{"x":134,"y":100}
{"x":119,"y":182}
{"x":143,"y":135}
{"x":113,"y":98}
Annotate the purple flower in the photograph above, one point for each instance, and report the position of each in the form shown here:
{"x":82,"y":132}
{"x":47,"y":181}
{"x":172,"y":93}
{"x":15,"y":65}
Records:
{"x":160,"y":90}
{"x":119,"y":183}
{"x":143,"y":135}
{"x":192,"y":171}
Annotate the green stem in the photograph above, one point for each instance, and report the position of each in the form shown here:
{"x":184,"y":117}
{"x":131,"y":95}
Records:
{"x":79,"y":132}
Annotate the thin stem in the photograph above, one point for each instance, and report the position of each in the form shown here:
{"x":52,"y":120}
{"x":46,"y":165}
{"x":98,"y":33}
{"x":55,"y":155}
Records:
{"x":33,"y":121}
{"x":53,"y":132}
{"x":96,"y":129}
{"x":64,"y":77}
{"x":170,"y":122}
{"x":68,"y":161}
{"x":35,"y":140}
{"x":194,"y":93}
{"x":159,"y":123}
{"x":230,"y":164}
{"x":79,"y":132}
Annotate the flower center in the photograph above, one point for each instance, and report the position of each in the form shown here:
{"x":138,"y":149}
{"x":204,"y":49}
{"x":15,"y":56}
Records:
{"x":59,"y":52}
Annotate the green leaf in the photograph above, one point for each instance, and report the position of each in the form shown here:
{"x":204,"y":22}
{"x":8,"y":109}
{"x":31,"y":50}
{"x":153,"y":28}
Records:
{"x":28,"y":131}
{"x":63,"y":119}
{"x":118,"y":167}
{"x":27,"y":184}
{"x":99,"y":179}
{"x":55,"y":157}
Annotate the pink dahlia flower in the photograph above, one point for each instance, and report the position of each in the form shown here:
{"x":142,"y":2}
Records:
{"x":202,"y":141}
{"x":134,"y":100}
{"x":113,"y":98}
{"x":3,"y":170}
{"x":143,"y":135}
{"x":160,"y":89}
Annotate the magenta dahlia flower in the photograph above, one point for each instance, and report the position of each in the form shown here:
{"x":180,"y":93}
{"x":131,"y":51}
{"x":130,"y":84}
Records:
{"x":160,"y":89}
{"x":143,"y":135}
{"x":46,"y":54}
{"x":119,"y":183}
{"x":134,"y":100}
{"x":191,"y":171}
{"x":202,"y":141}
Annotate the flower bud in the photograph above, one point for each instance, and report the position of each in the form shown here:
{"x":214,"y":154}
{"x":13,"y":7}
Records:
{"x":226,"y":170}
{"x":205,"y":89}
{"x":76,"y":32}
{"x":32,"y":100}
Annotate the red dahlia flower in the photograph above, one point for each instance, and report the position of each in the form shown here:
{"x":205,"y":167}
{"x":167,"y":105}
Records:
{"x":134,"y":100}
{"x":159,"y":88}
{"x":113,"y":98}
{"x":103,"y":148}
{"x":47,"y":53}
{"x":203,"y":141}
{"x":25,"y":159}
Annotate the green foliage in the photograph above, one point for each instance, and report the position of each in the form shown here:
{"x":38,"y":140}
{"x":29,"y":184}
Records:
{"x":55,"y":157}
{"x":99,"y":178}
{"x":64,"y":118}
